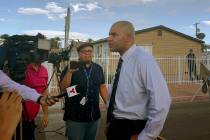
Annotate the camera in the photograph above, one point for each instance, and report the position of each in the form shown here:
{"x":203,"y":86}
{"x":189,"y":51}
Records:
{"x":18,"y":71}
{"x":76,"y":64}
{"x":56,"y":58}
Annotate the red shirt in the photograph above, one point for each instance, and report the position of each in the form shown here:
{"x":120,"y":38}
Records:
{"x":36,"y":79}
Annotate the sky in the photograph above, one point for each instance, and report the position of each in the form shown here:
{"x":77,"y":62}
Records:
{"x":93,"y":18}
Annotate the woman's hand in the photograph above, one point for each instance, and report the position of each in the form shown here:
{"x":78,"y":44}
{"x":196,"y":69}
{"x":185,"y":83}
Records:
{"x":10,"y":113}
{"x":45,"y":121}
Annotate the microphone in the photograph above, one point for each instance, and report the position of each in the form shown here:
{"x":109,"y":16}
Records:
{"x":70,"y":92}
{"x":60,"y":95}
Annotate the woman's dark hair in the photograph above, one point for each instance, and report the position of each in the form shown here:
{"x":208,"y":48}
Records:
{"x":83,"y":46}
{"x":35,"y":57}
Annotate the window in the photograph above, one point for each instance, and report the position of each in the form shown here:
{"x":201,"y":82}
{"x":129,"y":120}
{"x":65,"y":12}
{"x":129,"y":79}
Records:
{"x":159,"y":33}
{"x":147,"y":48}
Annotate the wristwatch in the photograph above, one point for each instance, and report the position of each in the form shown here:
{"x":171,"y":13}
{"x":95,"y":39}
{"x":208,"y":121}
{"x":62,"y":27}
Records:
{"x":38,"y":100}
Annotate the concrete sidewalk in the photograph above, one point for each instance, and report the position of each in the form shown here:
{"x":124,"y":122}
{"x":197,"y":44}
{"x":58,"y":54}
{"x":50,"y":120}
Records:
{"x":186,"y":121}
{"x":55,"y":122}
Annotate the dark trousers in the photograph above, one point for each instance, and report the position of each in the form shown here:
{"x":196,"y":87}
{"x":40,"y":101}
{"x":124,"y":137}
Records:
{"x":123,"y":129}
{"x":28,"y":130}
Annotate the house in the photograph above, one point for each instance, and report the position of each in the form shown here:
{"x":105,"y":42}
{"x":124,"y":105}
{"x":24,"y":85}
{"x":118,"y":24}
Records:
{"x":161,"y":42}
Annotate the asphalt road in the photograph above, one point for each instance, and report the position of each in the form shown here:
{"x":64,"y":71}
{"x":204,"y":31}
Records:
{"x":186,"y":121}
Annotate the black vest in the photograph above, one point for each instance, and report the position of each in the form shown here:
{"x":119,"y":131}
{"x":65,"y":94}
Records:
{"x":90,"y":111}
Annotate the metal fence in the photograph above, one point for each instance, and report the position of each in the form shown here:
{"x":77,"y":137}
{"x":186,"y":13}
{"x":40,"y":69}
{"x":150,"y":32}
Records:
{"x":183,"y":70}
{"x":180,"y":69}
{"x":175,"y":69}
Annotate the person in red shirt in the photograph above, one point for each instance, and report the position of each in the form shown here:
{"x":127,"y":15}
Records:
{"x":36,"y":77}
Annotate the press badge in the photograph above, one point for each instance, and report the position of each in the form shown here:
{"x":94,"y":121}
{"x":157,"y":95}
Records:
{"x":83,"y":101}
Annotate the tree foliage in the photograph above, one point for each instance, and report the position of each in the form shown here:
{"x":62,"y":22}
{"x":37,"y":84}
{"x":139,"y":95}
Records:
{"x":5,"y":36}
{"x":40,"y":36}
{"x":55,"y":42}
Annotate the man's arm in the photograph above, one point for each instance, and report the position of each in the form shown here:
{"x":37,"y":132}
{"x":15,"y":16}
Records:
{"x":103,"y":92}
{"x":159,"y":100}
{"x":65,"y":82}
{"x":26,"y":92}
{"x":103,"y":88}
{"x":66,"y":78}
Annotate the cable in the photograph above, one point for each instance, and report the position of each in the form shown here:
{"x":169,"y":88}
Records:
{"x":54,"y":131}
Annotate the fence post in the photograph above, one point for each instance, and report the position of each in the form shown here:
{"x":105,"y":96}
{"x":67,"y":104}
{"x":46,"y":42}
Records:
{"x":179,"y":70}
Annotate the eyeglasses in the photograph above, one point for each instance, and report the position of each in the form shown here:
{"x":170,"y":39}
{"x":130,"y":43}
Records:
{"x":86,"y":51}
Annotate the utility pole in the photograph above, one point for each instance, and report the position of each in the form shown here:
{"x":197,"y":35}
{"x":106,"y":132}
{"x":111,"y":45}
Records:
{"x":199,"y":35}
{"x":197,"y":30}
{"x":67,"y":28}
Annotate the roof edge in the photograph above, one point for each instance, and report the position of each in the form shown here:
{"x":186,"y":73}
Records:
{"x":154,"y":28}
{"x":170,"y":30}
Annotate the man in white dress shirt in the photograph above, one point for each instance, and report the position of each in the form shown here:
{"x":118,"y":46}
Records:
{"x":139,"y":100}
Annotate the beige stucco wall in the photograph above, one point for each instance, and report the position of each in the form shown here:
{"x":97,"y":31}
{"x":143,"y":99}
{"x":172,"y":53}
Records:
{"x":169,"y":44}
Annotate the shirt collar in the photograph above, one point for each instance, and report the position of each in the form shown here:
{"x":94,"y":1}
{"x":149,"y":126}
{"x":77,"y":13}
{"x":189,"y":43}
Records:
{"x":128,"y":53}
{"x":32,"y":68}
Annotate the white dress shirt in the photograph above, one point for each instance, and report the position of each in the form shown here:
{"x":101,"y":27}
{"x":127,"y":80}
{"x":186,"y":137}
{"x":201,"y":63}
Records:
{"x":26,"y":92}
{"x":142,"y":92}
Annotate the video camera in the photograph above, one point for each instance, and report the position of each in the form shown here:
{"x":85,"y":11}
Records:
{"x":16,"y":51}
{"x":17,"y":71}
{"x":56,"y":58}
{"x":14,"y":63}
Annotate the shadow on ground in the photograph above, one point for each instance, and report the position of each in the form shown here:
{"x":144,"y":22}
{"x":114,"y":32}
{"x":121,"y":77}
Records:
{"x":186,"y":121}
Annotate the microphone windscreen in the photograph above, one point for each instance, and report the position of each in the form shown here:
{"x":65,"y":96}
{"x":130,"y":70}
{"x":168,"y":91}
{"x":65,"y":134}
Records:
{"x":70,"y":92}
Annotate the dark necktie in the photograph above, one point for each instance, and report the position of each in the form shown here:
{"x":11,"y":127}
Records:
{"x":114,"y":88}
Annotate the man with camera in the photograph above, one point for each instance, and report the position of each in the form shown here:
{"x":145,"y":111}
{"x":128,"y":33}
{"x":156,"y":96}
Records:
{"x":82,"y":113}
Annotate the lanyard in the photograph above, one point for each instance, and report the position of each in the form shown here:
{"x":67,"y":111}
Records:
{"x":88,"y":74}
{"x":88,"y":79}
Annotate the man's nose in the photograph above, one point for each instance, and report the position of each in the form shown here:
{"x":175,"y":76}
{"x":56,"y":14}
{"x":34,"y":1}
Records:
{"x":109,"y":38}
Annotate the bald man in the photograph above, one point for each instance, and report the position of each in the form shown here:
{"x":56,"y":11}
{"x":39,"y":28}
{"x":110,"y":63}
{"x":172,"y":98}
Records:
{"x":139,"y":99}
